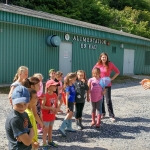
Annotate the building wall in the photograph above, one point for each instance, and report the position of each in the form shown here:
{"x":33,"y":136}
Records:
{"x":139,"y":58}
{"x":26,"y":45}
{"x":85,"y":58}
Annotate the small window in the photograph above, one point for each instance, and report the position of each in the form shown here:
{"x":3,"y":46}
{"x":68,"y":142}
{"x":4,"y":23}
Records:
{"x":113,"y":49}
{"x":147,"y":57}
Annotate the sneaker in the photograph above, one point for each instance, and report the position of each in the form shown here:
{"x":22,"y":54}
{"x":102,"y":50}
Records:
{"x":112,"y":119}
{"x":52,"y":144}
{"x":40,"y":130}
{"x":45,"y":147}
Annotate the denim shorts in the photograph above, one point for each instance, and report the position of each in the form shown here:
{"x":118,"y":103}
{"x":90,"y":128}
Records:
{"x":48,"y":123}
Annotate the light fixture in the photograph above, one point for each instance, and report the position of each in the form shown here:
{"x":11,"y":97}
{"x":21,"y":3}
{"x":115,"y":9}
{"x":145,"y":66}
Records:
{"x":107,"y":43}
{"x":122,"y":45}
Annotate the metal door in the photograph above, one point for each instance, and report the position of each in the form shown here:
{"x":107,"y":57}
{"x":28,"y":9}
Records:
{"x":65,"y":57}
{"x":128,"y":65}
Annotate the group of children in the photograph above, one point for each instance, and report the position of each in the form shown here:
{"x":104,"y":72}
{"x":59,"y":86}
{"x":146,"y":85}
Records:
{"x":35,"y":111}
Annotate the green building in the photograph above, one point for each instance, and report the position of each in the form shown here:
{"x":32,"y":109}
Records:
{"x":42,"y":41}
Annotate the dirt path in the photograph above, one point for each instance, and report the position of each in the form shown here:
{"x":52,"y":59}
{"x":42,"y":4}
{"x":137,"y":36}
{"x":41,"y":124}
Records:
{"x":130,"y":132}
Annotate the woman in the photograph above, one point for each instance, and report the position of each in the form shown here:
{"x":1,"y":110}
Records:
{"x":106,"y":67}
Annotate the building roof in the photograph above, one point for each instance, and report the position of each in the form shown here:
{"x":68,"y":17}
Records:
{"x":56,"y":18}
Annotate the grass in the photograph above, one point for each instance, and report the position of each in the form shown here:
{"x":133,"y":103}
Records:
{"x":4,"y":90}
{"x":123,"y":79}
{"x":143,"y":74}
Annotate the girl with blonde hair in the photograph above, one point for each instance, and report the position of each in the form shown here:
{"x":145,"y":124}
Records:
{"x":22,"y":73}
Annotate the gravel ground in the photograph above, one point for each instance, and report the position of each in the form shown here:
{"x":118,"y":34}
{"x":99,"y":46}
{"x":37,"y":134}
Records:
{"x":131,"y":131}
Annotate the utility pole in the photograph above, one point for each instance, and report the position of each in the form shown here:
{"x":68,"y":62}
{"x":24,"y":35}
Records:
{"x":121,"y":28}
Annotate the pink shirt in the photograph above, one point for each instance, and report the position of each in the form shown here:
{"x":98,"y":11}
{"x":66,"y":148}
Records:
{"x":105,"y":72}
{"x":95,"y":90}
{"x":40,"y":92}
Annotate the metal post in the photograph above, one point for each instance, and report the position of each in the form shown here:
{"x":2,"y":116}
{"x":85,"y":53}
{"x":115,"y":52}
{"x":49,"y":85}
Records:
{"x":6,"y":2}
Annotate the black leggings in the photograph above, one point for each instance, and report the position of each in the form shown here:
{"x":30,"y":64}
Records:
{"x":78,"y":110}
{"x":109,"y":103}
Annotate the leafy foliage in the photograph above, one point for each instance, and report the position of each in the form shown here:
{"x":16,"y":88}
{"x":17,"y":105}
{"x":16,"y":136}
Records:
{"x":132,"y":15}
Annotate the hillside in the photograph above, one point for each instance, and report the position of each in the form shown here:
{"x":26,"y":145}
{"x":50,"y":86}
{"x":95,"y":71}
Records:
{"x":132,"y":16}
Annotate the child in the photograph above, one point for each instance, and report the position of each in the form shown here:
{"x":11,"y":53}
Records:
{"x":21,"y":74}
{"x":40,"y":77}
{"x":18,"y":128}
{"x":49,"y":110}
{"x":70,"y":99}
{"x":39,"y":94}
{"x":52,"y":76}
{"x":81,"y":88}
{"x":96,"y":96}
{"x":52,"y":73}
{"x":34,"y":83}
{"x":59,"y":76}
{"x":33,"y":102}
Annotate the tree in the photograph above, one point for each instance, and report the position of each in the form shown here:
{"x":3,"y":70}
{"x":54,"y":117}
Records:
{"x":134,"y":15}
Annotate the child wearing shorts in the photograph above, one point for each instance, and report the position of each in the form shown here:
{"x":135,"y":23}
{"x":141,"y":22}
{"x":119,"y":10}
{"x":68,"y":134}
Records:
{"x":18,"y":127}
{"x":49,"y":110}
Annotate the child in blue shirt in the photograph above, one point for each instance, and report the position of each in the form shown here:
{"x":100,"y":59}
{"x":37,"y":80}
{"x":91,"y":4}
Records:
{"x":70,"y":99}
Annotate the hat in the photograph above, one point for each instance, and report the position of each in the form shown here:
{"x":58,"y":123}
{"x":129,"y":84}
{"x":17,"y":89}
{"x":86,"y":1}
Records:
{"x":20,"y":95}
{"x":51,"y":82}
{"x":51,"y":70}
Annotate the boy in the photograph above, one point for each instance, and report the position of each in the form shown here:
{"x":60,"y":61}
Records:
{"x":49,"y":109}
{"x":33,"y":102}
{"x":18,"y":128}
{"x":52,"y":76}
{"x":52,"y":73}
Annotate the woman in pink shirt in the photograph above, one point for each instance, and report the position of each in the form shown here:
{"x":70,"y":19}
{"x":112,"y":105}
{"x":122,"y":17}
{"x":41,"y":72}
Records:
{"x":106,"y":67}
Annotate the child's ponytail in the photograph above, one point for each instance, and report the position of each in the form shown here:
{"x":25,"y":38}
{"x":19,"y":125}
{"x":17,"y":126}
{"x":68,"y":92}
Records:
{"x":15,"y":77}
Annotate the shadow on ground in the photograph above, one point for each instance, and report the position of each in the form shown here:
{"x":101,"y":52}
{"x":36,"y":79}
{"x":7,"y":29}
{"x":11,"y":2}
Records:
{"x":133,"y":119}
{"x":113,"y":130}
{"x":73,"y":147}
